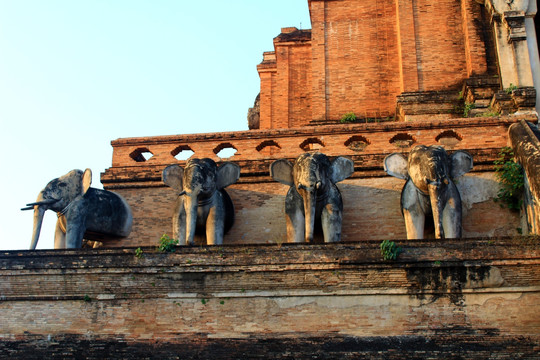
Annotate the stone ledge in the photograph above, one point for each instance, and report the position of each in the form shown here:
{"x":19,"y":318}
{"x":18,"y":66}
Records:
{"x":343,"y":269}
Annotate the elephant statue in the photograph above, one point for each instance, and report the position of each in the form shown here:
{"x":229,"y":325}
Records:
{"x":203,"y":204}
{"x":83,"y":212}
{"x":430,"y":188}
{"x":313,"y":195}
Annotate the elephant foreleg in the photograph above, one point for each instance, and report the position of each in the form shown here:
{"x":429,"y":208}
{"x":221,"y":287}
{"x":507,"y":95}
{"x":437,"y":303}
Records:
{"x":295,"y":226}
{"x":60,"y":235}
{"x":414,"y":224}
{"x":75,"y":226}
{"x":414,"y":207}
{"x":331,"y":218}
{"x":451,"y":218}
{"x":215,"y":226}
{"x":179,"y":222}
{"x":74,"y":235}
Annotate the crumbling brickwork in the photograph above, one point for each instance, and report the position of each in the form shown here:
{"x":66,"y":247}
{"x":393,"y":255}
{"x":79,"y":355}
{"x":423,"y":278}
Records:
{"x":461,"y":298}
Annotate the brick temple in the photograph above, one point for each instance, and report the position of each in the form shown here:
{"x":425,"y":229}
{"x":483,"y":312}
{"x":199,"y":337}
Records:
{"x":405,"y":84}
{"x":370,"y":78}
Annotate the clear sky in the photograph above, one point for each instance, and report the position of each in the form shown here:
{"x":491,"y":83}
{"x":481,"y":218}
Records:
{"x":75,"y":75}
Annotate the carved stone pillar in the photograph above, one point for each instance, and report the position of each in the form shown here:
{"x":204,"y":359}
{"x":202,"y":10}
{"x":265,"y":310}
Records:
{"x":508,"y":19}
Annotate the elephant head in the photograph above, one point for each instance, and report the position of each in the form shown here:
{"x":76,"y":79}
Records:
{"x":80,"y":208}
{"x":430,"y":188}
{"x":202,"y":198}
{"x":57,"y":196}
{"x":313,"y":194}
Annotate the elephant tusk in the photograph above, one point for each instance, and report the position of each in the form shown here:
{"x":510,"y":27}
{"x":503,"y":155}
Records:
{"x":43,"y":202}
{"x":27,"y":208}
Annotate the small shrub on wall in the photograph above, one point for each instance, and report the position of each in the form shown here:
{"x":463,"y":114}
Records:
{"x":511,"y":180}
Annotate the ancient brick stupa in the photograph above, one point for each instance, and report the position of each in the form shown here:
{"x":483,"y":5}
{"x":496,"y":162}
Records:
{"x":367,"y":80}
{"x":371,"y":78}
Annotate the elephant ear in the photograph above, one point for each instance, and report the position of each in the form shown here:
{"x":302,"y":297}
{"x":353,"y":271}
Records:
{"x":86,"y":180}
{"x":227,"y":173}
{"x":282,"y":171}
{"x":341,"y":169}
{"x":172,"y":176}
{"x":396,"y":165}
{"x":461,"y":163}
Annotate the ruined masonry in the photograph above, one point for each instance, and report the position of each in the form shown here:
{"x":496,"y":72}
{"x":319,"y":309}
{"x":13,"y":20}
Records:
{"x":370,"y":78}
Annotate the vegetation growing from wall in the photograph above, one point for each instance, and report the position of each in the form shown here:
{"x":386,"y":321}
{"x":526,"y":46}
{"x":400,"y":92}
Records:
{"x":167,"y":244}
{"x":467,"y":109}
{"x":389,"y":250}
{"x":511,"y":180}
{"x":349,"y":117}
{"x":511,"y":88}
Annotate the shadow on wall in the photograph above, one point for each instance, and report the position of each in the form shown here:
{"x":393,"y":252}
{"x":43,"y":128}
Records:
{"x":371,"y":211}
{"x":259,"y":217}
{"x":482,"y":216}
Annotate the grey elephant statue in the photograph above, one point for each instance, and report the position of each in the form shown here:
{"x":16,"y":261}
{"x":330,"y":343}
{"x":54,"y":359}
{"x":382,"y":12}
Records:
{"x":203,"y":205}
{"x":313,"y":195}
{"x":430,"y":189}
{"x":83,"y":211}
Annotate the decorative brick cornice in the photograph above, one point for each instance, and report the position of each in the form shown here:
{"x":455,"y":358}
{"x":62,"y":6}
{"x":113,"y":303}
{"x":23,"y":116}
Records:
{"x":483,"y":137}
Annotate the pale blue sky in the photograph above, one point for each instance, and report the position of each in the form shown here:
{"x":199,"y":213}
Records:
{"x":76,"y":74}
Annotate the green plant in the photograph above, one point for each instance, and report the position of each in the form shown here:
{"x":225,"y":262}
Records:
{"x":87,"y":298}
{"x":511,"y":181}
{"x":204,"y":301}
{"x":389,"y":250}
{"x":139,"y":253}
{"x":167,"y":244}
{"x":348,"y":118}
{"x":490,"y":113}
{"x":467,"y":109}
{"x":510,"y":88}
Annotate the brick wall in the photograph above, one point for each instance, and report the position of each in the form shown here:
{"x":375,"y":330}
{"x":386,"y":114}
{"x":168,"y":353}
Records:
{"x":440,"y":299}
{"x":356,"y":61}
{"x":371,"y":198}
{"x":380,"y":138}
{"x":362,"y":55}
{"x":371,"y":211}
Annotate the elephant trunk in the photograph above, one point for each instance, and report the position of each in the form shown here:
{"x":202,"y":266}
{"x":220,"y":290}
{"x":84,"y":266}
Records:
{"x":39,"y":211}
{"x":436,"y":197}
{"x":191,"y":207}
{"x":309,"y":211}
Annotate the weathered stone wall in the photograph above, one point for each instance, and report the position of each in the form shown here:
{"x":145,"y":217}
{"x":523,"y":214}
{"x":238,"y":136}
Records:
{"x":526,"y":146}
{"x":474,"y":298}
